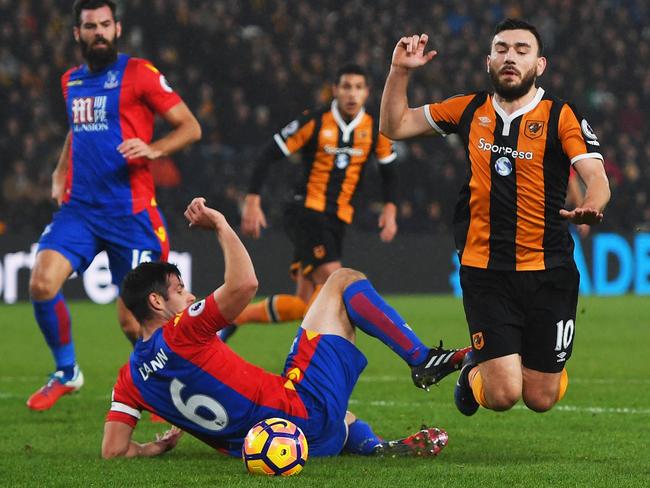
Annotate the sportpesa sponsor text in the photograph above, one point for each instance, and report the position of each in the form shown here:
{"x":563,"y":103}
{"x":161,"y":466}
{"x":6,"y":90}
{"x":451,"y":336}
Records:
{"x":506,"y":151}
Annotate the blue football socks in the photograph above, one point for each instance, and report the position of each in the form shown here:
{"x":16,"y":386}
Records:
{"x":368,"y":311}
{"x":361,"y":439}
{"x":53,"y":318}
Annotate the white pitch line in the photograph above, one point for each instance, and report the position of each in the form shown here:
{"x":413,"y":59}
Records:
{"x":392,"y":403}
{"x":589,"y":381}
{"x":560,"y":408}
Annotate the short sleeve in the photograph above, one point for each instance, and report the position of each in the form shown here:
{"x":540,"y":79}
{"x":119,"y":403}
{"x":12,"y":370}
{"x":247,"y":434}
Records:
{"x":154,"y":89}
{"x":576,"y":136}
{"x":384,"y":150}
{"x":125,"y":407}
{"x":199,"y":322}
{"x":295,"y":134}
{"x":444,"y":117}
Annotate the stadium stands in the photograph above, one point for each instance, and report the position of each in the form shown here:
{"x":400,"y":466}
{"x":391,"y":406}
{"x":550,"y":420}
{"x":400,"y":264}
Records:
{"x":246,"y":68}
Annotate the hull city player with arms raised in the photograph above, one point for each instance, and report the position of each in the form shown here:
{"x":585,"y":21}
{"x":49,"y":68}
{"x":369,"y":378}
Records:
{"x":182,"y":371}
{"x":335,"y":143}
{"x":102,"y":182}
{"x":519,"y":280}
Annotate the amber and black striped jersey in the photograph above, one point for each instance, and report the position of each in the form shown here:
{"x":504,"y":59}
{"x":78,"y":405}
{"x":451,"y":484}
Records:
{"x":507,"y":216}
{"x":334,"y":154}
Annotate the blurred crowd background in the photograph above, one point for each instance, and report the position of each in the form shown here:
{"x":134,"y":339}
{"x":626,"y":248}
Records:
{"x":247,"y":68}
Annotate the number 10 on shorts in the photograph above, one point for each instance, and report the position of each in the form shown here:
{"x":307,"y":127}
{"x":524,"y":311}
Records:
{"x":564,"y":334}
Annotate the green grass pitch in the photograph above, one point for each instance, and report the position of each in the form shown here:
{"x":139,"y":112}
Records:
{"x":597,"y":436}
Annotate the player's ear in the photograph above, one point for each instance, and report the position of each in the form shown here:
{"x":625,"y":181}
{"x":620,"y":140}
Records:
{"x":156,"y":301}
{"x":487,"y":63}
{"x":118,"y":29}
{"x":75,"y":33}
{"x":541,"y":66}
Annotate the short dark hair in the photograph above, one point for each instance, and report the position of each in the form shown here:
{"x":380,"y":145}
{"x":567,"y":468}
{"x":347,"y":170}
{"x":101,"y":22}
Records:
{"x":512,"y":24}
{"x":144,"y":279}
{"x":80,"y":5}
{"x":350,"y":69}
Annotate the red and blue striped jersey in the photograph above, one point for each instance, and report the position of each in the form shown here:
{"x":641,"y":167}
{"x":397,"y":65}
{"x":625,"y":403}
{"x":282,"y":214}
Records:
{"x":105,"y":108}
{"x":187,"y":375}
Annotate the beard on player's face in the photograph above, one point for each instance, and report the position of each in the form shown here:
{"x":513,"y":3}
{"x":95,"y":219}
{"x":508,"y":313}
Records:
{"x":99,"y":53}
{"x":512,"y":91}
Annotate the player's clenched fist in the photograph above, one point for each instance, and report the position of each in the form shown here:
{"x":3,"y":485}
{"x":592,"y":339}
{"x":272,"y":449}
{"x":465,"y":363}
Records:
{"x":409,"y":52}
{"x":198,"y":214}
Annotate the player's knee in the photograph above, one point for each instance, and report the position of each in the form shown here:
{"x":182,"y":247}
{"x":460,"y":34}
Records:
{"x":343,"y":277}
{"x":540,"y":401}
{"x":503,"y":398}
{"x":41,"y":288}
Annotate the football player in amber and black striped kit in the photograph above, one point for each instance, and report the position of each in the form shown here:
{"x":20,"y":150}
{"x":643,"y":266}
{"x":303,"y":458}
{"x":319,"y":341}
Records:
{"x":519,"y":279}
{"x":335,"y":143}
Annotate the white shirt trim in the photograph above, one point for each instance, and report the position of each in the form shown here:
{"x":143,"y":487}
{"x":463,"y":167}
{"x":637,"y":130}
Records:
{"x":388,"y":159}
{"x":432,"y":123}
{"x":120,"y":407}
{"x":507,"y":119}
{"x":346,"y":129}
{"x":577,"y":158}
{"x":283,"y":147}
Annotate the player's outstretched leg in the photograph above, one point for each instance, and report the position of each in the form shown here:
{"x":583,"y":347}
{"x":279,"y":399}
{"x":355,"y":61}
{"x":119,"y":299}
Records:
{"x":363,"y":441}
{"x":53,"y":319}
{"x":428,"y":441}
{"x":368,"y":311}
{"x":274,"y":309}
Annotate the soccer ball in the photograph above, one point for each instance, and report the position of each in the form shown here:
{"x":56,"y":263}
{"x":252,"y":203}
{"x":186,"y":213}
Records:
{"x":275,"y":447}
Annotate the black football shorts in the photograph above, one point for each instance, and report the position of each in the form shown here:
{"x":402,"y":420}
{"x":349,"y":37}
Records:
{"x":530,"y":313}
{"x":317,"y":237}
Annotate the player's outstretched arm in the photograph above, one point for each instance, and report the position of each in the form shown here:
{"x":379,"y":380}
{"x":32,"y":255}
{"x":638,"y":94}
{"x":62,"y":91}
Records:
{"x":186,"y":130}
{"x":240,"y":282}
{"x":597,"y":196}
{"x":253,"y":219}
{"x":117,"y":442}
{"x":60,"y":172}
{"x":396,"y":119}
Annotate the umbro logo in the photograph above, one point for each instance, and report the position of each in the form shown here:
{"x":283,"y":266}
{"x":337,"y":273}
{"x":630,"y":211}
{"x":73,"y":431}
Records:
{"x":561,"y":357}
{"x":484,"y":121}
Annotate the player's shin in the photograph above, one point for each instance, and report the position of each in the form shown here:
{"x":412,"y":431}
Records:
{"x":53,"y":318}
{"x":368,"y":311}
{"x":276,"y":308}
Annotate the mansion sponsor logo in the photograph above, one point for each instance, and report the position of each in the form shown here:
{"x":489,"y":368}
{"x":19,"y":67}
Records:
{"x":89,"y":114}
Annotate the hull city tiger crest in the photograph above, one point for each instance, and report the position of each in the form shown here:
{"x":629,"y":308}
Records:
{"x":477,"y":341}
{"x":534,"y":129}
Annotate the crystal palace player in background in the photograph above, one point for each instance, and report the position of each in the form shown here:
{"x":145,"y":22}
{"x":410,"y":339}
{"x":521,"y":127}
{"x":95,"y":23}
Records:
{"x":335,"y":143}
{"x":102,"y":181}
{"x":184,"y":373}
{"x":519,"y":280}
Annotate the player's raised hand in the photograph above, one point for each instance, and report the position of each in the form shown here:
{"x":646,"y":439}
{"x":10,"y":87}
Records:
{"x":253,"y":219}
{"x":198,"y":214}
{"x":409,"y":52}
{"x":580,"y":215}
{"x":137,"y":148}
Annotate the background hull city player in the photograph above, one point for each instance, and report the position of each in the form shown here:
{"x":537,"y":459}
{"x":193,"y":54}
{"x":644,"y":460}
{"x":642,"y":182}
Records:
{"x":335,"y":143}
